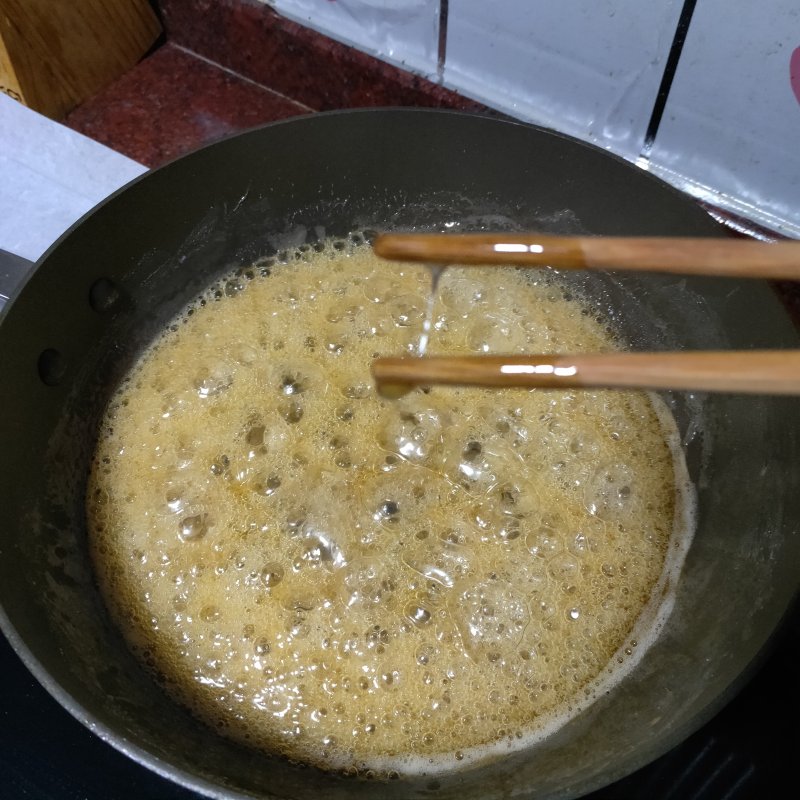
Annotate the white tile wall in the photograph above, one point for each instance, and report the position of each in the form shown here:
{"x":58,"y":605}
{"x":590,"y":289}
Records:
{"x":590,"y":68}
{"x":731,"y":127}
{"x":730,"y":133}
{"x":402,"y":32}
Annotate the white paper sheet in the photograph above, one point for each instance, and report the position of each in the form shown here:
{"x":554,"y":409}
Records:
{"x":50,"y":176}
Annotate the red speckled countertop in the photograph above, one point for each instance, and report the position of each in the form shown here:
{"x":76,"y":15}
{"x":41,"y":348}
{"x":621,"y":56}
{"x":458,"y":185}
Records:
{"x":228,"y":65}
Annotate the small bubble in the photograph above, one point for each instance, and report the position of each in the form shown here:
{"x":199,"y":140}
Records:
{"x":294,"y":523}
{"x":261,"y":647}
{"x":389,"y":678}
{"x":267,"y":487}
{"x":291,"y":385}
{"x":174,"y":500}
{"x":417,"y":614}
{"x":453,"y":537}
{"x":344,"y":413}
{"x":220,"y":465}
{"x":272,"y":574}
{"x":543,"y":542}
{"x":509,"y":496}
{"x":387,"y":510}
{"x":209,"y":613}
{"x":214,"y":383}
{"x":194,"y":527}
{"x":255,"y":436}
{"x":292,"y":411}
{"x":407,"y":311}
{"x":234,"y":286}
{"x":179,"y":603}
{"x":563,"y":568}
{"x":509,"y":530}
{"x":472,"y":451}
{"x":245,"y":354}
{"x":357,"y":391}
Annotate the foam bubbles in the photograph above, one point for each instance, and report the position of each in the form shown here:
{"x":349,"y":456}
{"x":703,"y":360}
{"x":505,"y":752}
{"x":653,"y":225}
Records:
{"x":372,"y":586}
{"x":491,"y":617}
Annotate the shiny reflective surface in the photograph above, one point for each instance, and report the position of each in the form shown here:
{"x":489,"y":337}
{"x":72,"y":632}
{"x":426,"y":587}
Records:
{"x":682,"y":256}
{"x":743,"y":372}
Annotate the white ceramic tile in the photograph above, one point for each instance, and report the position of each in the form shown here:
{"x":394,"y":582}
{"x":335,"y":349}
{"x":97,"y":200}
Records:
{"x":589,"y":68}
{"x":731,"y":128}
{"x":403,"y":32}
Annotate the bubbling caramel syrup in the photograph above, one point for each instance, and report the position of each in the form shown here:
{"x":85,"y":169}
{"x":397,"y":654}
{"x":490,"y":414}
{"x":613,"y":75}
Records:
{"x":364,"y":584}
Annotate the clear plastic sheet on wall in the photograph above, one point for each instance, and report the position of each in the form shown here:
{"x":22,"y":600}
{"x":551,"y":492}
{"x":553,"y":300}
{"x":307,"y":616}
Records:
{"x":589,"y":68}
{"x":730,"y":134}
{"x":593,"y":69}
{"x":402,"y":32}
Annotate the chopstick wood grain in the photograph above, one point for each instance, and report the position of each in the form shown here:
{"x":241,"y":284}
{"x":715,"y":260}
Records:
{"x":748,"y":372}
{"x":683,"y":256}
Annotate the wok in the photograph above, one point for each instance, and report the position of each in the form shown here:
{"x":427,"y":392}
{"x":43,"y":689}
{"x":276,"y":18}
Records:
{"x":103,"y":290}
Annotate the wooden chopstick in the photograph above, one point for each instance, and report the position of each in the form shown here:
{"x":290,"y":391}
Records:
{"x":749,"y":371}
{"x":683,"y":256}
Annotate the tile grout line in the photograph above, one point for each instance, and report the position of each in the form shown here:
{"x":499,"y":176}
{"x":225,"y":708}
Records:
{"x":670,"y":68}
{"x":441,"y":54}
{"x":239,"y":76}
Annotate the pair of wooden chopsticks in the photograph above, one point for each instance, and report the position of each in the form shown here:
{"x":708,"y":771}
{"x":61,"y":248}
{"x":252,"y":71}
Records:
{"x":750,"y":371}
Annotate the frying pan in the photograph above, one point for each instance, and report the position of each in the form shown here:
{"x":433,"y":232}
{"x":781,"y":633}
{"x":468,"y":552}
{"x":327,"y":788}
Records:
{"x":104,"y":289}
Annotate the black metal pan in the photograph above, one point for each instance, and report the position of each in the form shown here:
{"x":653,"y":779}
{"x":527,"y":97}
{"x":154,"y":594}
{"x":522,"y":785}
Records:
{"x":106,"y":287}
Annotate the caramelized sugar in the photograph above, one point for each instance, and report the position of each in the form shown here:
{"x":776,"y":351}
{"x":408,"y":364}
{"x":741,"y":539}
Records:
{"x":361,"y":583}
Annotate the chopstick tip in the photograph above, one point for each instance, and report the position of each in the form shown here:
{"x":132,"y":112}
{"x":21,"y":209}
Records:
{"x":383,"y":246}
{"x":385,"y":385}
